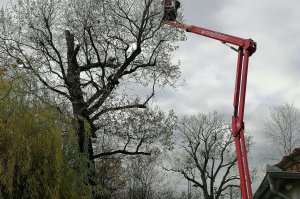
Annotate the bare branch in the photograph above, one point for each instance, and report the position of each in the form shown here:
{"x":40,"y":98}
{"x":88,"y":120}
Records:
{"x":120,"y":152}
{"x":96,"y":116}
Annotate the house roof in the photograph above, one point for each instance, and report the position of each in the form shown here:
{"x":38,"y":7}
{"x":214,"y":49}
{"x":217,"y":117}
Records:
{"x":286,"y":170}
{"x":290,"y":162}
{"x":283,"y":176}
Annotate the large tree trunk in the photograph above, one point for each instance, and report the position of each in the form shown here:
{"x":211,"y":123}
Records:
{"x":84,"y":126}
{"x":78,"y":103}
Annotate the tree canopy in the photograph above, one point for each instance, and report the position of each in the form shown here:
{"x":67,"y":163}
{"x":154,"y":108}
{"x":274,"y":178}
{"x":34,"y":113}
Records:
{"x":98,"y":62}
{"x":94,"y":55}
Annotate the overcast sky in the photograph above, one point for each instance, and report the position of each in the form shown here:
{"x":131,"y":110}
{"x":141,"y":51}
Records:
{"x":209,"y":67}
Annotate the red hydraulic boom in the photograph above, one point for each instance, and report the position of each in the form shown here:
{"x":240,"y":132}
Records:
{"x":246,"y":47}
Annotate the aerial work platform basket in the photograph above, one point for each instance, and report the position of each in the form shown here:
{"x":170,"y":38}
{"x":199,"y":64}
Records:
{"x":170,"y":10}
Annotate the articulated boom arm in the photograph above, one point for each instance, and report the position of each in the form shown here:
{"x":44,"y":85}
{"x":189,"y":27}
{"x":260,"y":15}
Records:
{"x":246,"y":47}
{"x":224,"y":38}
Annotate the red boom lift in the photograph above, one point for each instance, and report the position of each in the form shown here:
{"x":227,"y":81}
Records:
{"x":246,"y":47}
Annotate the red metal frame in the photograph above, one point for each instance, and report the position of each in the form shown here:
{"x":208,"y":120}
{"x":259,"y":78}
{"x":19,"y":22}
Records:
{"x":246,"y":48}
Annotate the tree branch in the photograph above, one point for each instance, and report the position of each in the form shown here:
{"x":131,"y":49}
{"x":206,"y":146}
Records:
{"x":96,"y":116}
{"x":120,"y":152}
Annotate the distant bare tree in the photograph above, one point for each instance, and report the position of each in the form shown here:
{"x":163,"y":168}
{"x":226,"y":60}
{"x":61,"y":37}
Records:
{"x":282,"y":129}
{"x":146,"y":179}
{"x":207,"y":155}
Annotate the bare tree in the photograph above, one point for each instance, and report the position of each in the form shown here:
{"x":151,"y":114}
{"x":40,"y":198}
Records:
{"x":146,"y":179}
{"x":97,"y":56}
{"x":282,"y":129}
{"x":207,"y":154}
